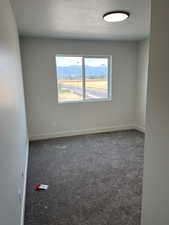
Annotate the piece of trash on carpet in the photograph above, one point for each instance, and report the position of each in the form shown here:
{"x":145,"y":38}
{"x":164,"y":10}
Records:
{"x":42,"y":187}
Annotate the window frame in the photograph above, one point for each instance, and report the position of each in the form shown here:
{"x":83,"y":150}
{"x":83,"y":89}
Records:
{"x":109,"y":80}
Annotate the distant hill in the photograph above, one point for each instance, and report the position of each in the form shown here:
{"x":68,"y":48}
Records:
{"x":74,"y":72}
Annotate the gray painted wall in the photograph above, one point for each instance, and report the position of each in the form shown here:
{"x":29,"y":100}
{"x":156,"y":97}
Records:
{"x":13,"y":134}
{"x":156,"y":171}
{"x":142,"y":78}
{"x":47,"y":118}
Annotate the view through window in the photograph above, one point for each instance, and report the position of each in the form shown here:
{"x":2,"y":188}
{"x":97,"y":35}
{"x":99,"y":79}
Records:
{"x":81,"y":78}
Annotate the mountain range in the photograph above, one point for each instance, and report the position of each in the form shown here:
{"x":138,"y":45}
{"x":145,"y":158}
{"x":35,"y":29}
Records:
{"x":73,"y":72}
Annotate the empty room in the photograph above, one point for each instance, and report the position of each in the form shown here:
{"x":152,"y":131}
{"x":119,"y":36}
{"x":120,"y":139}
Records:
{"x":84,"y":112}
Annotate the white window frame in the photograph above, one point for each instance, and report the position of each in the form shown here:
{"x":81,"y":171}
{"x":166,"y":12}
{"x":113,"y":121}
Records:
{"x":109,"y":80}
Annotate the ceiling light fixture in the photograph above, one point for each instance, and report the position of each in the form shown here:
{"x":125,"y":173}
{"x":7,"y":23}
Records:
{"x":116,"y":16}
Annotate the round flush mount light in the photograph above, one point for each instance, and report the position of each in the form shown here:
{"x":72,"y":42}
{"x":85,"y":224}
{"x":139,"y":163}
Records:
{"x":116,"y":16}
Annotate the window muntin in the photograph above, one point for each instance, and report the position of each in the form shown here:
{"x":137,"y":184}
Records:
{"x":83,"y":78}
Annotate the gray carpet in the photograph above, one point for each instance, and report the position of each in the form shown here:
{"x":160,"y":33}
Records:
{"x":93,"y":180}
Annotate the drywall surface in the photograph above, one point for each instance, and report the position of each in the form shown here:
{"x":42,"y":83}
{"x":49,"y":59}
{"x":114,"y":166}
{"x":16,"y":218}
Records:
{"x":13,"y":134}
{"x":156,"y":171}
{"x":142,"y":77}
{"x":47,"y":118}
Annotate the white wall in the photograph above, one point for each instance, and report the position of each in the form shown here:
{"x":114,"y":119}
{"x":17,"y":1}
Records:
{"x":13,"y":136}
{"x":47,"y":118}
{"x":156,"y":171}
{"x":142,"y":77}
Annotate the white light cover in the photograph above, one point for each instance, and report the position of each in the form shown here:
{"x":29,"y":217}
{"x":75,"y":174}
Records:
{"x":115,"y":17}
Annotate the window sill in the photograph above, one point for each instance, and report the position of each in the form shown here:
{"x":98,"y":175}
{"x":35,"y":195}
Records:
{"x":87,"y":101}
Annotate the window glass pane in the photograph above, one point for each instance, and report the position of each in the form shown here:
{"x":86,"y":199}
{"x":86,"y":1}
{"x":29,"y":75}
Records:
{"x":96,"y":78}
{"x":69,"y":78}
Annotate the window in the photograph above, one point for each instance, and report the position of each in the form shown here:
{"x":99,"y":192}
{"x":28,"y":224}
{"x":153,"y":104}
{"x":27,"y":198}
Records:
{"x":83,"y":78}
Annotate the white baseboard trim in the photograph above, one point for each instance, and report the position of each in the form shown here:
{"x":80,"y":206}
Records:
{"x":83,"y":131}
{"x":140,"y":128}
{"x":24,"y":185}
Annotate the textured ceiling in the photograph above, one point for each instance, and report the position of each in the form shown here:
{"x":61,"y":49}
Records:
{"x":77,"y":19}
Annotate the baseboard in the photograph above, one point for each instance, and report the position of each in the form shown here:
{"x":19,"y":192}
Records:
{"x":80,"y":132}
{"x":24,"y":186}
{"x":140,"y":128}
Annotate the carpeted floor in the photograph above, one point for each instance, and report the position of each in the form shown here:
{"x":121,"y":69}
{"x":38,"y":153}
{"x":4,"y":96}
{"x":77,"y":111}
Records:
{"x":93,"y":180}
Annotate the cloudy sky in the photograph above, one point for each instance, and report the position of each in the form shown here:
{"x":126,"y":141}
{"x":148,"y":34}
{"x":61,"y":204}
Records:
{"x":67,"y":61}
